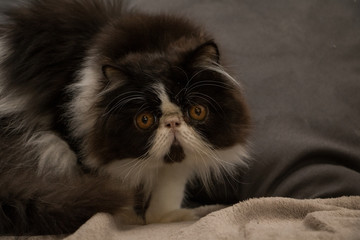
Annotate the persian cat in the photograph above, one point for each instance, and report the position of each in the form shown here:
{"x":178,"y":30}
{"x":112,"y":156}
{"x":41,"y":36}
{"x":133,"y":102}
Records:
{"x":103,"y":110}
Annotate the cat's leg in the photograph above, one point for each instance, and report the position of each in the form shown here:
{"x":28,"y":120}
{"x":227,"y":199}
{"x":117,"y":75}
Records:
{"x":167,"y":196}
{"x":54,"y":156}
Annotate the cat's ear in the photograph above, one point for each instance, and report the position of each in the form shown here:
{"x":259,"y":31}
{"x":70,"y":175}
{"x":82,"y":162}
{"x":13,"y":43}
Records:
{"x":112,"y":73}
{"x":206,"y":53}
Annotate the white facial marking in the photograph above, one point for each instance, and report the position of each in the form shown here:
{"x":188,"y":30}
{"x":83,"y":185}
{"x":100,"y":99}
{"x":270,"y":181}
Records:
{"x":170,"y":125}
{"x":167,"y":107}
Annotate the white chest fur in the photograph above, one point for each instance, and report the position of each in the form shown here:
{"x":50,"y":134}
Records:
{"x":167,"y":195}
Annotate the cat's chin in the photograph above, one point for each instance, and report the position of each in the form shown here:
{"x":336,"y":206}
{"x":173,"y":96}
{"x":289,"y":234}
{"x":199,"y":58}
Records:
{"x":175,"y":154}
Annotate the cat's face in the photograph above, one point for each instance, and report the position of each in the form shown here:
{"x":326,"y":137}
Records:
{"x":154,"y":108}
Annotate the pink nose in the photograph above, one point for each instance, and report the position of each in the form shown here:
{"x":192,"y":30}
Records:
{"x":172,"y":122}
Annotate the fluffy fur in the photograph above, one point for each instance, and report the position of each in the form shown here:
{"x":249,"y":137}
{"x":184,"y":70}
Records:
{"x":98,"y":105}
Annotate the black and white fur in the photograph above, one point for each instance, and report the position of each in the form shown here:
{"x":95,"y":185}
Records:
{"x":74,"y":75}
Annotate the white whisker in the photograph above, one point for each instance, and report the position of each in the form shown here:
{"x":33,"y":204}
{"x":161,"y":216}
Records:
{"x":206,"y":83}
{"x":122,"y":103}
{"x":219,"y":69}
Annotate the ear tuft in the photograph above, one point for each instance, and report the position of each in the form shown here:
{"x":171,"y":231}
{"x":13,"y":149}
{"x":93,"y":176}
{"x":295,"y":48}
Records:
{"x":207,"y":52}
{"x":112,"y":73}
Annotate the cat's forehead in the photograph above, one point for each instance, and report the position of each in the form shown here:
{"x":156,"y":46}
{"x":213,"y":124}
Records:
{"x":150,"y":64}
{"x":154,"y":73}
{"x":167,"y":107}
{"x":159,"y":60}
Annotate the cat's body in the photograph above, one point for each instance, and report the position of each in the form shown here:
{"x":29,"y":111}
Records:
{"x":98,"y":105}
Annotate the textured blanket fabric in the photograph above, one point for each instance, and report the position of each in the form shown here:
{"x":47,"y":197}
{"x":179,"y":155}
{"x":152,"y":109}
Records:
{"x":261,"y":218}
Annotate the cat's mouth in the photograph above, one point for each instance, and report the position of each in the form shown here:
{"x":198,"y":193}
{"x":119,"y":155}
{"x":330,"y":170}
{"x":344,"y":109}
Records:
{"x":175,"y":154}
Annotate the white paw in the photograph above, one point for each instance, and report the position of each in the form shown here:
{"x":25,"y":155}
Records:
{"x":178,"y":215}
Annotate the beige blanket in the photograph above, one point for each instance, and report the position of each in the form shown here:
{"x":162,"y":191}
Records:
{"x":264,"y":218}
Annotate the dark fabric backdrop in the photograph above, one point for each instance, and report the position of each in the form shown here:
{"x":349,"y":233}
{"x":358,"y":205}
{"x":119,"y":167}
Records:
{"x":299,"y":63}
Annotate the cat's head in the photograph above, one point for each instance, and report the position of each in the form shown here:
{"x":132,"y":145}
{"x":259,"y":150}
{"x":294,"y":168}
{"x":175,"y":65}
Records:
{"x":153,"y":92}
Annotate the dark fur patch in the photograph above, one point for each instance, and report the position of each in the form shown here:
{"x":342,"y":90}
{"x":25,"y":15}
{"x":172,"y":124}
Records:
{"x":32,"y":206}
{"x":176,"y":154}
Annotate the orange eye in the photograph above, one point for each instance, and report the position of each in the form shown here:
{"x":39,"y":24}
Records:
{"x":198,"y":112}
{"x":145,"y":120}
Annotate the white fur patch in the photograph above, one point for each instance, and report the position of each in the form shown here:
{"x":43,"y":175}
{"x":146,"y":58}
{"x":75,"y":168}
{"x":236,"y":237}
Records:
{"x":133,"y":171}
{"x":85,"y":91}
{"x":55,"y":158}
{"x":12,"y":103}
{"x":168,"y":193}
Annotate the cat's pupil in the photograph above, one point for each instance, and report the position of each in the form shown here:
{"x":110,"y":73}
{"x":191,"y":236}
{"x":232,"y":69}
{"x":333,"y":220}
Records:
{"x":145,"y":119}
{"x":198,"y":111}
